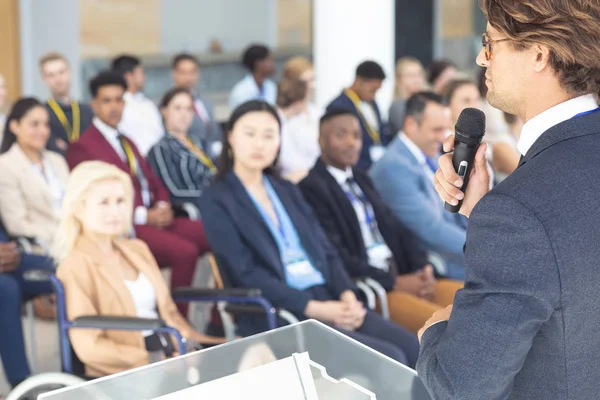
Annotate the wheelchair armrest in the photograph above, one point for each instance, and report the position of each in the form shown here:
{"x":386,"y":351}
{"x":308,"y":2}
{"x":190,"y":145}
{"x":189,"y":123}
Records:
{"x":26,"y":244}
{"x":208,"y":292}
{"x":233,"y":308}
{"x":37,"y":275}
{"x":119,"y":323}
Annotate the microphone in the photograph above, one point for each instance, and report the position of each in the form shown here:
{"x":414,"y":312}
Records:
{"x":469,"y":131}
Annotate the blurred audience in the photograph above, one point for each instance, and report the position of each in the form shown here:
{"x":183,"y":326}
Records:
{"x":266,"y":237}
{"x":439,"y":73}
{"x":33,"y":179}
{"x":69,"y":118}
{"x":360,"y":99}
{"x":141,"y":121}
{"x":404,"y":179}
{"x":104,"y":273}
{"x":14,"y":288}
{"x":460,"y":94}
{"x":185,"y":71}
{"x":257,"y":84}
{"x":179,"y":158}
{"x":299,"y":147}
{"x":174,"y":242}
{"x":410,"y":79}
{"x":371,"y":241}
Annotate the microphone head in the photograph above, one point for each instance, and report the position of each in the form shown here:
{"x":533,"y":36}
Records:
{"x":471,"y":123}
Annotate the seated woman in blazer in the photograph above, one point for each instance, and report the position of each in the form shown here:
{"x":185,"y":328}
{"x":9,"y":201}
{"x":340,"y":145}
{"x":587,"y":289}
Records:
{"x":266,"y":237}
{"x":179,"y":158}
{"x":33,"y":179}
{"x":106,"y":274}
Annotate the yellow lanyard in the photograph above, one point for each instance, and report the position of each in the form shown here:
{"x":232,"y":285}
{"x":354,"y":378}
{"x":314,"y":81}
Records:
{"x":204,"y":159}
{"x":72,"y":132}
{"x":375,"y":136}
{"x":131,"y":161}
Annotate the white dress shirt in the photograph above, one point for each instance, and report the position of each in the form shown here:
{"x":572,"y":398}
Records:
{"x":535,"y":127}
{"x":144,"y":298}
{"x":140,"y":216}
{"x":418,"y":153}
{"x":300,"y":141}
{"x":379,"y":256}
{"x":247,"y":89}
{"x":141,"y":122}
{"x":57,"y":190}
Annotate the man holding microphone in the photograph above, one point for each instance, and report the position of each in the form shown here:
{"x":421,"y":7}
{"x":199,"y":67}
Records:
{"x":527,"y":323}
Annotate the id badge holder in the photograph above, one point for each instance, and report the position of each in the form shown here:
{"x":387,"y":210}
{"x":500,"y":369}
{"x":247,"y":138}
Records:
{"x":376,"y":152}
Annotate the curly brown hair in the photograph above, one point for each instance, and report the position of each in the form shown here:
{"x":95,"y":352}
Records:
{"x":569,"y":28}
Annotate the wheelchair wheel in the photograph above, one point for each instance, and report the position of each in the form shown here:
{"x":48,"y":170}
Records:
{"x":36,"y":385}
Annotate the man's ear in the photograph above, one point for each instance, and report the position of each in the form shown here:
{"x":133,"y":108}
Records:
{"x":542,"y":57}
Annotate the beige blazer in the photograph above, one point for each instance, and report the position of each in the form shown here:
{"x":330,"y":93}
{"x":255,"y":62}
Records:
{"x":94,"y":285}
{"x":26,"y":206}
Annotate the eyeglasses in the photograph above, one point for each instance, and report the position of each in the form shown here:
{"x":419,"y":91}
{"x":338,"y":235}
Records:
{"x":486,"y":42}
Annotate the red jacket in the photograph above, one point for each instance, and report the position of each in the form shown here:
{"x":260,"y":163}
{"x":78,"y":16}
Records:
{"x":92,"y":146}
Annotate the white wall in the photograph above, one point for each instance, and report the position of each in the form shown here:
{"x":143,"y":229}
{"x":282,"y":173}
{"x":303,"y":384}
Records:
{"x":48,"y":26}
{"x":189,"y":25}
{"x":347,"y":32}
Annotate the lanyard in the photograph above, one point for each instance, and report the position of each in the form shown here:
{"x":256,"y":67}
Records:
{"x":375,"y":136}
{"x":430,"y":163}
{"x":353,"y":195}
{"x":587,"y":112}
{"x":198,"y":152}
{"x":131,"y":161}
{"x":72,"y":132}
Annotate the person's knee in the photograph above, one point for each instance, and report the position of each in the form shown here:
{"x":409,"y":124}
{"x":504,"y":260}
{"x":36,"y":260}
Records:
{"x":10,"y":291}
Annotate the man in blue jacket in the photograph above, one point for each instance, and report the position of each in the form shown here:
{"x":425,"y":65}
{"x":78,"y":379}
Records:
{"x":404,"y":178}
{"x":525,"y":327}
{"x":360,"y":99}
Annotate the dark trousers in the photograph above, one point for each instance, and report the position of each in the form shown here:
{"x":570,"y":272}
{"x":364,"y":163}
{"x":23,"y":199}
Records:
{"x":178,"y":247}
{"x":387,"y":338}
{"x":13,"y":289}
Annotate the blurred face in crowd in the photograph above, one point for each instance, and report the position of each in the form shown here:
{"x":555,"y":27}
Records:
{"x":108,"y":104}
{"x":308,"y":77}
{"x":445,"y":77}
{"x":509,"y":73}
{"x":186,"y":74}
{"x":57,"y":76}
{"x":266,"y":67}
{"x":33,"y":130}
{"x":105,"y":209}
{"x":411,"y":79}
{"x":179,"y":113}
{"x":466,"y":96}
{"x":341,"y":141}
{"x":429,"y":131}
{"x":2,"y":91}
{"x":366,"y":89}
{"x":255,"y":140}
{"x":136,"y":79}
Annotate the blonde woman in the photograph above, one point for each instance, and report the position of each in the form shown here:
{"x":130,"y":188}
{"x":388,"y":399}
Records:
{"x":410,"y":79}
{"x":104,"y":273}
{"x":299,"y":147}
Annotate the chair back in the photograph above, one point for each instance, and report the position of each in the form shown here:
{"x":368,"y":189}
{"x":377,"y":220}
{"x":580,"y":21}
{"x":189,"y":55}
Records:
{"x":219,"y":271}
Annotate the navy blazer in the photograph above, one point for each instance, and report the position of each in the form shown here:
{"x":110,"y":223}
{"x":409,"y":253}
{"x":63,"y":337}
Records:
{"x":526,"y":325}
{"x":339,"y":220}
{"x":241,"y":240}
{"x":344,"y":102}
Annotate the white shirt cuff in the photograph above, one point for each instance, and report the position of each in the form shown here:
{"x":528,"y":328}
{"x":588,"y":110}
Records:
{"x":140,"y":216}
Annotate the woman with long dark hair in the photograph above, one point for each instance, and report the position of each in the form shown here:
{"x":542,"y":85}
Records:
{"x":264,"y":234}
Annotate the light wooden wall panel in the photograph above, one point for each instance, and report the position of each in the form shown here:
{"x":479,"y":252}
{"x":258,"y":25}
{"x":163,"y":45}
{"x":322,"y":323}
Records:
{"x":10,"y":47}
{"x":457,"y":18}
{"x":294,"y":23}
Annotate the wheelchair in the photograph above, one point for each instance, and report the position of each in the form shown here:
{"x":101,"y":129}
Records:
{"x":73,"y":370}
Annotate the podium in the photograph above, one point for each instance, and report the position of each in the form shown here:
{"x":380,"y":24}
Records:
{"x":307,"y":360}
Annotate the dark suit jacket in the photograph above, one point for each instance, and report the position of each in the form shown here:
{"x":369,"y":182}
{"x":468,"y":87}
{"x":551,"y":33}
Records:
{"x":526,"y":325}
{"x":338,"y":219}
{"x":93,"y":146}
{"x":57,"y":131}
{"x":344,"y":102}
{"x":241,"y":240}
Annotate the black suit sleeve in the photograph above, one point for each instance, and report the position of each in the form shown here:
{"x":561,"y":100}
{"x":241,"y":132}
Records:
{"x":357,"y":267}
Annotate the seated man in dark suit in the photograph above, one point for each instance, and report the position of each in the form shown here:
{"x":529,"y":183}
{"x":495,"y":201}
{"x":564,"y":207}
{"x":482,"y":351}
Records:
{"x":13,"y":288}
{"x":360,"y":100}
{"x":372,"y":242}
{"x":174,"y":242}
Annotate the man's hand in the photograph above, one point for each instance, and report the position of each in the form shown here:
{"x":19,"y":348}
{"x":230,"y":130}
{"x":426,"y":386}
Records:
{"x":160,"y":216}
{"x":448,"y":183}
{"x":410,"y":283}
{"x":438,"y":316}
{"x":9,"y":257}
